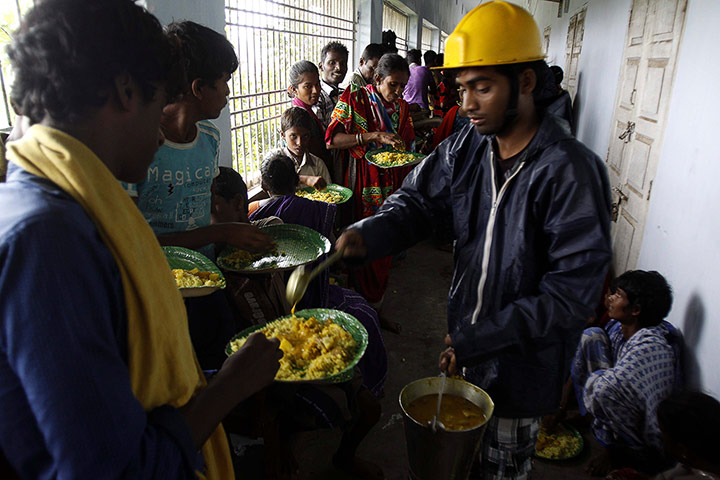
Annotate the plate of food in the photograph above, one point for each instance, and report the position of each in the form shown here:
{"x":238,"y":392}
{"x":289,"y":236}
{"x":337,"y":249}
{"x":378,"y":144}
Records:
{"x":563,"y":443}
{"x":195,"y":275}
{"x":389,"y":158}
{"x":319,"y":345}
{"x":331,"y":194}
{"x":293,"y":245}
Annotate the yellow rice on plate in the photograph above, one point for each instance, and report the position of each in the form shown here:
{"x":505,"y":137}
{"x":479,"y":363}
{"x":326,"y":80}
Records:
{"x":196,"y":278}
{"x":558,"y":445}
{"x":312,"y":349}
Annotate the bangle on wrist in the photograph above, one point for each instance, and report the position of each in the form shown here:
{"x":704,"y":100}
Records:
{"x":358,"y":139}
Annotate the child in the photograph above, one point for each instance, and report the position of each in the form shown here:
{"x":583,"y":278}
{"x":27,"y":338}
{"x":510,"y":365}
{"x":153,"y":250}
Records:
{"x":610,"y":372}
{"x":98,"y":372}
{"x":353,"y":405}
{"x":175,"y":196}
{"x":296,"y":125}
{"x":304,"y":88}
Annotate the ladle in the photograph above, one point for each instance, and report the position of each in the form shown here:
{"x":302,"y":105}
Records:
{"x":435,"y":421}
{"x":299,"y":279}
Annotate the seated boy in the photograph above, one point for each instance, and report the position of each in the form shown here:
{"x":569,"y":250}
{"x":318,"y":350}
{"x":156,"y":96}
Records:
{"x":99,"y":379}
{"x":623,"y":371}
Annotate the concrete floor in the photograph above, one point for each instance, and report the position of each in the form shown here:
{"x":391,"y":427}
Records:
{"x":416,"y":297}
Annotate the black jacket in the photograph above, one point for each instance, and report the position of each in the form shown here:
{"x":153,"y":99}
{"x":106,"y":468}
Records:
{"x":530,"y":256}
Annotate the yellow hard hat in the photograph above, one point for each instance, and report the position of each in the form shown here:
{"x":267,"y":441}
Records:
{"x":493,"y":33}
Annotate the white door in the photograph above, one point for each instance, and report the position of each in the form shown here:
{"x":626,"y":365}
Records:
{"x":641,"y":106}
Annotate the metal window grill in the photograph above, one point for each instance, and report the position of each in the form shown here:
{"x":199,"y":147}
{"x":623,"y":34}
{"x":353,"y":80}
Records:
{"x":269,"y":36}
{"x":395,"y":20}
{"x":443,"y":38}
{"x":9,"y":21}
{"x":426,"y":43}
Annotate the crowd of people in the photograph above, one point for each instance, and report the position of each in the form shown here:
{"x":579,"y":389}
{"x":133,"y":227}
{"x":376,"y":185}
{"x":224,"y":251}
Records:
{"x":108,"y":373}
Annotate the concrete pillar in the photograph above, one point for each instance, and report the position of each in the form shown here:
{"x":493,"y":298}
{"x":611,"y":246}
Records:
{"x":414,"y":31}
{"x":210,"y":13}
{"x":369,"y":14}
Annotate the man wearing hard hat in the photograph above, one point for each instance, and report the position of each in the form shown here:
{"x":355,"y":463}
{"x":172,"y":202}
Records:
{"x":531,"y":220}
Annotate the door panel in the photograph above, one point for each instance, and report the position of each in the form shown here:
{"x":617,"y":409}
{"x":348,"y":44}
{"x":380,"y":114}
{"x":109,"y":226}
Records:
{"x":644,"y":89}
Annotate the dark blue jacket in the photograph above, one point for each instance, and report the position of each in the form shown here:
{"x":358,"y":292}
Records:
{"x":530,"y":256}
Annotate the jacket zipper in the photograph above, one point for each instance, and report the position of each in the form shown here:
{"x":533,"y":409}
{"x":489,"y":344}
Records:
{"x":497,"y":198}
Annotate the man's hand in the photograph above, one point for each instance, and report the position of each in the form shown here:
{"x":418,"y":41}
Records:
{"x":245,"y":236}
{"x":448,"y":362}
{"x":353,"y":243}
{"x":254,"y":366}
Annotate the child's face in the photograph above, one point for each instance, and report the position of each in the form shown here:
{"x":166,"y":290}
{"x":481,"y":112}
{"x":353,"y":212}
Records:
{"x":297,"y":140}
{"x":308,"y":89}
{"x":214,"y":97}
{"x":334,"y":67}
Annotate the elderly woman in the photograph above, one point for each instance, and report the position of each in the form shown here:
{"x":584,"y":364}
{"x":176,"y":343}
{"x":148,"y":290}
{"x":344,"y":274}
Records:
{"x":366,"y":118}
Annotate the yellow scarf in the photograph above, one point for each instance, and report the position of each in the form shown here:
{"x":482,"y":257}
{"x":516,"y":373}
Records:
{"x":162,"y":363}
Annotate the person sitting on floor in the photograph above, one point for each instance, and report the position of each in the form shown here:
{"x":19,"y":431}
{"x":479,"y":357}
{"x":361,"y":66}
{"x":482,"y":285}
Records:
{"x":622,"y":372}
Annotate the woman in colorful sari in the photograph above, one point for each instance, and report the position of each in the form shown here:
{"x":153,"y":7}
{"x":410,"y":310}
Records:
{"x":364,"y":119}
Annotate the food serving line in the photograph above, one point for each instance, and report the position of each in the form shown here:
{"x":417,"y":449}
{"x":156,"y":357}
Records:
{"x":325,"y":345}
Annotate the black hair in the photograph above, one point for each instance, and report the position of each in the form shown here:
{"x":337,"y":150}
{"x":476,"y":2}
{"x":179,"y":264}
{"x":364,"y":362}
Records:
{"x":230,"y":183}
{"x":557,"y":74}
{"x":373,"y":50}
{"x":207,"y":55}
{"x":67,"y":53}
{"x":333,"y":47}
{"x":388,"y":39}
{"x":513,"y":70}
{"x":647,"y":290}
{"x":692,"y":419}
{"x":295,"y":117}
{"x":390,"y":63}
{"x":279,"y":175}
{"x":301,"y":68}
{"x":440,"y":60}
{"x":429,"y":58}
{"x":414,"y":56}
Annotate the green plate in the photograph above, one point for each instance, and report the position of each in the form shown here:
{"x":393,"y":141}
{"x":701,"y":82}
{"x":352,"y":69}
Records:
{"x":345,"y":320}
{"x":339,"y":189}
{"x":296,"y":245}
{"x":179,"y":257}
{"x":572,"y":431}
{"x":369,"y":156}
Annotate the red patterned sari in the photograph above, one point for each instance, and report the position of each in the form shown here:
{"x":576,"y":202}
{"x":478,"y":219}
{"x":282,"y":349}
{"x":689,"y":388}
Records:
{"x":361,"y":110}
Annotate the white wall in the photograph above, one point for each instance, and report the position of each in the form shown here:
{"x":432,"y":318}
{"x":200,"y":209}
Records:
{"x":683,"y":231}
{"x":210,"y":13}
{"x":600,"y":60}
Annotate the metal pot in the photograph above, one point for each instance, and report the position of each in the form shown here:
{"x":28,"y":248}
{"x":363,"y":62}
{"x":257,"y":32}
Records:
{"x":444,"y":454}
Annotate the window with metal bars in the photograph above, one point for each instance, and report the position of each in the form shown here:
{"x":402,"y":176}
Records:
{"x":427,"y":34}
{"x":395,"y":20}
{"x":10,"y":15}
{"x":443,"y":38}
{"x":269,"y":36}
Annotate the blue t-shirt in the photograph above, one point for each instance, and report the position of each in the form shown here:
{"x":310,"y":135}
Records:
{"x":175,"y":195}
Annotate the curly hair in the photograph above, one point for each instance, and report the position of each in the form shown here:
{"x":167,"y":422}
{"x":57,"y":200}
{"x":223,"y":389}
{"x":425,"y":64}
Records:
{"x":67,"y":53}
{"x":278,"y":174}
{"x":206,"y":54}
{"x":648,"y":290}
